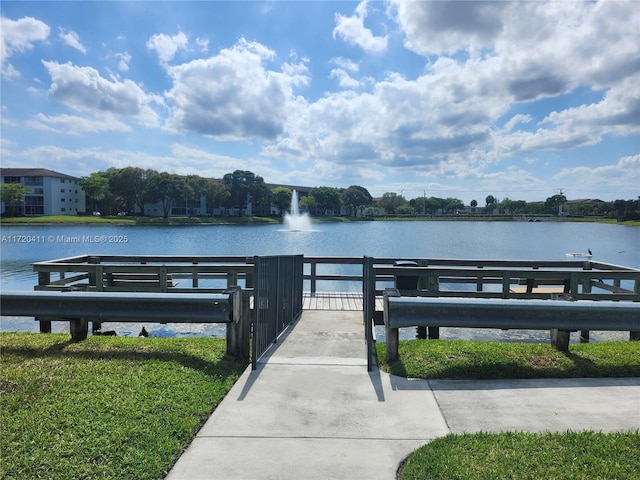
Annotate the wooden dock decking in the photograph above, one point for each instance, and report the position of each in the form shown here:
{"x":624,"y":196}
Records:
{"x":348,"y":301}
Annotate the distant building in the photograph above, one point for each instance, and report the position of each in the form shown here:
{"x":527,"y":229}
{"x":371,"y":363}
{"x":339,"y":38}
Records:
{"x":52,"y":193}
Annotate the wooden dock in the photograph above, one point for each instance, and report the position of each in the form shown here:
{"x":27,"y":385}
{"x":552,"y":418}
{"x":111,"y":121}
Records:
{"x":346,"y":301}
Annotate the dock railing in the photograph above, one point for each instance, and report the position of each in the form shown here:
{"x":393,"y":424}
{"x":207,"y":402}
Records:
{"x":504,"y":279}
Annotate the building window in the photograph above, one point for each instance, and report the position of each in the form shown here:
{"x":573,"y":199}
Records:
{"x":33,"y":180}
{"x":12,"y":180}
{"x":62,"y":199}
{"x":62,"y":180}
{"x":62,"y":190}
{"x":62,"y":209}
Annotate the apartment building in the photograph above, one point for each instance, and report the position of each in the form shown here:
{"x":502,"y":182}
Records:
{"x":51,"y":193}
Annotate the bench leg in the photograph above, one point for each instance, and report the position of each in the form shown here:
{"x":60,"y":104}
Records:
{"x":584,"y":336}
{"x":560,"y":339}
{"x":79,"y":328}
{"x":421,"y":332}
{"x":45,"y":326}
{"x":392,"y":344}
{"x":634,"y":336}
{"x":434,"y":333}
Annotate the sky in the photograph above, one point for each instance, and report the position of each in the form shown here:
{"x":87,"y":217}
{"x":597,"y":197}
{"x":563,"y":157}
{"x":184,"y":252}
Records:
{"x":519,"y":100}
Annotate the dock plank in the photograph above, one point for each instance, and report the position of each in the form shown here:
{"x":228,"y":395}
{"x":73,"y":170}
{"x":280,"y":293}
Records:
{"x":337,"y":301}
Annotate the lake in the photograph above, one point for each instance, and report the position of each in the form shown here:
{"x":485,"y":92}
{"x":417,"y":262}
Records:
{"x":22,"y":245}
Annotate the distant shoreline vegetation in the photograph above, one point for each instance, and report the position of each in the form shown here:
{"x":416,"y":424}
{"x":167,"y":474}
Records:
{"x":255,"y":220}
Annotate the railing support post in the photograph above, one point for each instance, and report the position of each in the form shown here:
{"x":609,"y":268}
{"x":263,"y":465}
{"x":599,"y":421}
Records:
{"x":78,"y":328}
{"x":44,"y":278}
{"x":238,"y":331}
{"x":392,"y":337}
{"x":96,"y":280}
{"x":560,"y":339}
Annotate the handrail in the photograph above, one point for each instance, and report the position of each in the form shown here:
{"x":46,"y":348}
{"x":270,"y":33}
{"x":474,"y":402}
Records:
{"x":474,"y":272}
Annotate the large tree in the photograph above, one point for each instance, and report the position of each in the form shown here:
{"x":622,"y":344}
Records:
{"x":554,"y":203}
{"x":216,"y":194}
{"x":132,"y":184}
{"x":194,"y":187}
{"x":391,"y":201}
{"x":326,"y":198}
{"x":165,"y":188}
{"x":245,"y":187}
{"x":12,"y":194}
{"x":356,"y":197}
{"x":96,"y":187}
{"x":281,"y":198}
{"x":490,"y":203}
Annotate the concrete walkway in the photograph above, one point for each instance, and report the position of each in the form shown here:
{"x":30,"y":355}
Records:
{"x":312,"y":411}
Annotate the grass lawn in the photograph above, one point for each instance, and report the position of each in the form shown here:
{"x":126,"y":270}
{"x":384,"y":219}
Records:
{"x":115,"y":220}
{"x":517,"y":455}
{"x":460,"y":359}
{"x":108,"y":407}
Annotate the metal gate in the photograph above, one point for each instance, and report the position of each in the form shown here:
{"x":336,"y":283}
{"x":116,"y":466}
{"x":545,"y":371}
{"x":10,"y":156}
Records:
{"x":277,"y":299}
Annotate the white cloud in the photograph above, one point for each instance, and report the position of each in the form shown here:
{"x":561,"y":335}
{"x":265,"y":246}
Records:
{"x":202,"y":44}
{"x":353,"y":31}
{"x":83,"y":89}
{"x":610,"y":180}
{"x":75,"y":125}
{"x":72,"y":39}
{"x":447,"y":118}
{"x":166,"y":46}
{"x":345,"y":64}
{"x":19,"y":36}
{"x":344,"y":79}
{"x":123,"y":61}
{"x":447,"y":27}
{"x":617,"y":113}
{"x":233,"y":95}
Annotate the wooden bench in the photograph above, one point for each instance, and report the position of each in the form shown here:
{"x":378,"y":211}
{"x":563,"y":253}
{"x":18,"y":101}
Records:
{"x":78,"y":308}
{"x":559,"y":316}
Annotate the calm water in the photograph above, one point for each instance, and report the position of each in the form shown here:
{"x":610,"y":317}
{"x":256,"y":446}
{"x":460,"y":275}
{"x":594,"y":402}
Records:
{"x":20,"y":246}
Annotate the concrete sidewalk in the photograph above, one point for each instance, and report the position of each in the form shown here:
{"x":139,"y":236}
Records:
{"x":312,"y":411}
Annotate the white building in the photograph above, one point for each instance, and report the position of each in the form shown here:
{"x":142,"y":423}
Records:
{"x":51,"y":193}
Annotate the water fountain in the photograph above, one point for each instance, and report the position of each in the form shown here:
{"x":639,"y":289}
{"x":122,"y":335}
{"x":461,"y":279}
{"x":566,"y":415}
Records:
{"x":295,"y":221}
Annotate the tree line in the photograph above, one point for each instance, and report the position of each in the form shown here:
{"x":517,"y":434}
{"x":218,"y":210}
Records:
{"x":129,"y":189}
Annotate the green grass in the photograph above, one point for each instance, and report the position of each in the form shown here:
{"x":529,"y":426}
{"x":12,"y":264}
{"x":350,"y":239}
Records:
{"x":108,"y":407}
{"x":511,"y":455}
{"x":115,"y":220}
{"x":562,"y":456}
{"x":460,"y":359}
{"x":68,"y":220}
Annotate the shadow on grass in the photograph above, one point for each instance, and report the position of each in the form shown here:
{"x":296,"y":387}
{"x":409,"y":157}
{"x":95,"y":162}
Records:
{"x":225,"y":365}
{"x":479,"y":367}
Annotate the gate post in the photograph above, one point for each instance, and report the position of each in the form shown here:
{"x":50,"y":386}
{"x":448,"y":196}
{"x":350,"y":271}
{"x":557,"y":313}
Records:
{"x":238,"y":329}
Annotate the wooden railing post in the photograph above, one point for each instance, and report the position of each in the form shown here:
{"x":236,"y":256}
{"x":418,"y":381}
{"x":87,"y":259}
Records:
{"x":313,"y":273}
{"x":44,"y":278}
{"x":239,"y":330}
{"x":392,"y":336}
{"x":194,"y":276}
{"x":586,"y":288}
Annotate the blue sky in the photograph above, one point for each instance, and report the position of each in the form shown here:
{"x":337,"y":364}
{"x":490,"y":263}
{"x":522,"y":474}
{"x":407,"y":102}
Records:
{"x":449,"y":99}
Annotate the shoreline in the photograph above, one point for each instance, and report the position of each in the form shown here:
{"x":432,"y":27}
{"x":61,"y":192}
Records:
{"x":256,"y":221}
